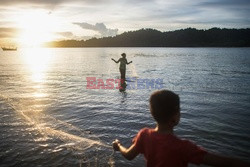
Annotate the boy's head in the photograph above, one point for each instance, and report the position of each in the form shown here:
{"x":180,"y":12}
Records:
{"x":123,"y":55}
{"x":165,"y":106}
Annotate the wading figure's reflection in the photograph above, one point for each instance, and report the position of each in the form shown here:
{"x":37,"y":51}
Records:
{"x":123,"y":86}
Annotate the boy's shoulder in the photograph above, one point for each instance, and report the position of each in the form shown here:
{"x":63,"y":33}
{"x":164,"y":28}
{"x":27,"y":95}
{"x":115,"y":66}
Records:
{"x":145,"y":130}
{"x":144,"y":133}
{"x":176,"y":139}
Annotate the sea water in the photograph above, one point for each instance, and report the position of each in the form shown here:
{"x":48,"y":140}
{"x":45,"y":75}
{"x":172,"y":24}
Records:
{"x":48,"y":116}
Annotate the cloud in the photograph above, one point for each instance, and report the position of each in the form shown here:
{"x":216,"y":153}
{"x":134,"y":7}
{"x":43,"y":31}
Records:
{"x":8,"y":32}
{"x":98,"y":27}
{"x":238,"y":7}
{"x":200,"y":14}
{"x":65,"y":34}
{"x":6,"y":23}
{"x":130,"y":15}
{"x":225,"y":3}
{"x":46,"y":3}
{"x":69,"y":35}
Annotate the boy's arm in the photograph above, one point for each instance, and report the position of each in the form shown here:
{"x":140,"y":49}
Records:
{"x":129,"y":153}
{"x":221,"y":161}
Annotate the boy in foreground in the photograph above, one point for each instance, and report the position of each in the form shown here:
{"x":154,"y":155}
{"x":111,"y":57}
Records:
{"x":161,"y":147}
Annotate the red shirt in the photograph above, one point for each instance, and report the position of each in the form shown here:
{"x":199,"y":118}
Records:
{"x":167,"y":150}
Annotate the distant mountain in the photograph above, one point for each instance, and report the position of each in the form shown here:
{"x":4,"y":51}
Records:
{"x":189,"y":37}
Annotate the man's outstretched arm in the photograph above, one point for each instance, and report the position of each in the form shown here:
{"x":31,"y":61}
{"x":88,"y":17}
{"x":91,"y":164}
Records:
{"x":129,"y":62}
{"x":115,"y":61}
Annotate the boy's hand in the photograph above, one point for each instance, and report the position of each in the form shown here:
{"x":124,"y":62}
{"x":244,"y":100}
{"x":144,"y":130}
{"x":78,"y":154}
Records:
{"x":116,"y":144}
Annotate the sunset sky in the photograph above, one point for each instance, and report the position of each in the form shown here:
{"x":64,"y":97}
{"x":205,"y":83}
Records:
{"x":36,"y":21}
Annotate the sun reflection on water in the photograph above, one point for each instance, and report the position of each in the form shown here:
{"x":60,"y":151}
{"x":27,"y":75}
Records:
{"x":38,"y":61}
{"x":85,"y":146}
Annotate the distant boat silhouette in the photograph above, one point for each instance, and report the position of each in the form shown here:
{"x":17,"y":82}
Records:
{"x":9,"y":49}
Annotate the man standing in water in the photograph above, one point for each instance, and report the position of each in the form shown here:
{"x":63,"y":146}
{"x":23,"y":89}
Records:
{"x":123,"y":62}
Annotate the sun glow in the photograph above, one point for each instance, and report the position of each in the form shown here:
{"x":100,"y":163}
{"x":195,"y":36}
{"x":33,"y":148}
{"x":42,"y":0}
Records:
{"x":37,"y":27}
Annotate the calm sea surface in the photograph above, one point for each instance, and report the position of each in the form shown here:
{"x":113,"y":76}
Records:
{"x":49,"y":118}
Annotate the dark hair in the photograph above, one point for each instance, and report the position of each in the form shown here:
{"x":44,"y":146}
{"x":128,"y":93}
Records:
{"x":163,"y":105}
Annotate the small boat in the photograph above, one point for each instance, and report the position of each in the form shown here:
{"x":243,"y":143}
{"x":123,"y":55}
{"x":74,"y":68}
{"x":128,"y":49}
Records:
{"x":9,"y":49}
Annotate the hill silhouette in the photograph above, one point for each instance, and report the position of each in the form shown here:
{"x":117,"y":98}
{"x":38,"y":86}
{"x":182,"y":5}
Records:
{"x":190,"y":37}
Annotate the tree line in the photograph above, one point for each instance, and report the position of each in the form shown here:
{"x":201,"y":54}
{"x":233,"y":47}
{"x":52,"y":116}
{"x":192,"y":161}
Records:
{"x":190,"y":37}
